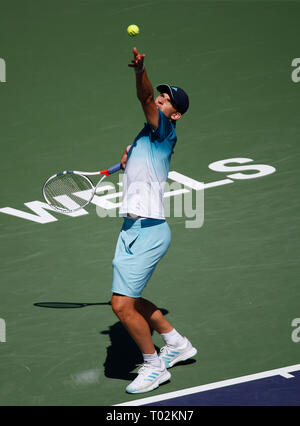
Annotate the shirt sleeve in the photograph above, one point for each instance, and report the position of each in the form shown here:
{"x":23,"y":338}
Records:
{"x":165,"y":128}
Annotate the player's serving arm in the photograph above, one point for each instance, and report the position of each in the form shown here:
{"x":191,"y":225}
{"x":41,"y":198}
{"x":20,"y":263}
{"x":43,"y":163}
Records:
{"x":144,"y":88}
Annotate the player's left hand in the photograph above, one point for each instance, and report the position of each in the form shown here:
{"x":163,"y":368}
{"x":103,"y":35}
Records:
{"x":138,"y":60}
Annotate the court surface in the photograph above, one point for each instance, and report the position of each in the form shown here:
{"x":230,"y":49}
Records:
{"x":231,"y":285}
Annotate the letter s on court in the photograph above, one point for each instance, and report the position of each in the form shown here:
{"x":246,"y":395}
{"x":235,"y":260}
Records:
{"x":220,"y":166}
{"x":296,"y":333}
{"x":296,"y":72}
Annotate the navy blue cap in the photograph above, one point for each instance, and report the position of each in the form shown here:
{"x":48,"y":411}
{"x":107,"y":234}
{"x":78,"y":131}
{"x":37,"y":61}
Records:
{"x":177,"y":95}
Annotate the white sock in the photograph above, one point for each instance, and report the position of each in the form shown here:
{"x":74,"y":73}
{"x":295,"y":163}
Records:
{"x":152,"y":359}
{"x":173,"y":338}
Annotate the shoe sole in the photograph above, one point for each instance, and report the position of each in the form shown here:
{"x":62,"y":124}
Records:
{"x":182,"y":357}
{"x":164,"y":378}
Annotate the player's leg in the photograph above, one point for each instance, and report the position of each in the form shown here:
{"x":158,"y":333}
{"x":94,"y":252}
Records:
{"x":177,"y":347}
{"x":134,"y":322}
{"x":153,"y":372}
{"x":153,"y":316}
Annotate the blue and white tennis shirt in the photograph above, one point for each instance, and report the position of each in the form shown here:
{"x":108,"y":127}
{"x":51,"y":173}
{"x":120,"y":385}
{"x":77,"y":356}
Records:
{"x":147,"y":169}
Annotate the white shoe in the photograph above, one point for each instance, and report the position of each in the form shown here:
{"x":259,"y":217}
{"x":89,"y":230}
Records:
{"x":149,"y":378}
{"x":170,"y":355}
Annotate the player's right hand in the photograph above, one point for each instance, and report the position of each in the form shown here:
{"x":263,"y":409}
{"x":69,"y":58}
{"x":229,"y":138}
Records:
{"x":124,"y":159}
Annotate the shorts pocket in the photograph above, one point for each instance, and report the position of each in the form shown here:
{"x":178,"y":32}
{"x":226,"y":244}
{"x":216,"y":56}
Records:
{"x":129,"y":238}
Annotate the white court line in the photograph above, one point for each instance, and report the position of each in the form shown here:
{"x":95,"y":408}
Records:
{"x":284,"y":372}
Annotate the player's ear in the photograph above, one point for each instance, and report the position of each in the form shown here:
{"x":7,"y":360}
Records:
{"x":176,"y":116}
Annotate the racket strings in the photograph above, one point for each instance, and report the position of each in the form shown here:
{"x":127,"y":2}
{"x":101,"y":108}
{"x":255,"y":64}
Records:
{"x":66,"y":185}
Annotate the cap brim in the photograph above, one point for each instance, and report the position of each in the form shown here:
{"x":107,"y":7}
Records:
{"x":165,"y":88}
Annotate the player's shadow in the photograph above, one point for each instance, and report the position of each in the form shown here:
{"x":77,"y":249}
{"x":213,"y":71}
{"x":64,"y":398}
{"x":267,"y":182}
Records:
{"x":123,"y":355}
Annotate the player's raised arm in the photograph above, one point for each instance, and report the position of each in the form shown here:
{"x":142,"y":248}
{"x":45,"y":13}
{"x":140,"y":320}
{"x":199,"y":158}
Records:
{"x":144,"y":88}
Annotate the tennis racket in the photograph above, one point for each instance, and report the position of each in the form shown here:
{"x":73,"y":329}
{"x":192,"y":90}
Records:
{"x":70,"y":191}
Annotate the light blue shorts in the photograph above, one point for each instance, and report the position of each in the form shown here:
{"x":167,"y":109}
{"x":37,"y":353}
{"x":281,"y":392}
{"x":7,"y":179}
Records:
{"x":141,"y":245}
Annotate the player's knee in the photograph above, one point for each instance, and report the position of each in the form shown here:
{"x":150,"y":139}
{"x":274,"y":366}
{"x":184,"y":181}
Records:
{"x":116,"y":308}
{"x":120,"y":306}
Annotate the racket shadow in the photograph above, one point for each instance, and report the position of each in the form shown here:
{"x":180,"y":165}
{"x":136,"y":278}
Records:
{"x":67,"y":305}
{"x":123,"y":355}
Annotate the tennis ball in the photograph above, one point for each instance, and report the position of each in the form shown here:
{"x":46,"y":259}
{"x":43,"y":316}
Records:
{"x":133,"y":30}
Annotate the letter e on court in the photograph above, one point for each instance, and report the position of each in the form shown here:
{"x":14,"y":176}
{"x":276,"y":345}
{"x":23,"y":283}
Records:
{"x":2,"y":331}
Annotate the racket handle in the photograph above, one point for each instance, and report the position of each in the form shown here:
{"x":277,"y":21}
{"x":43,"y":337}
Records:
{"x":114,"y":169}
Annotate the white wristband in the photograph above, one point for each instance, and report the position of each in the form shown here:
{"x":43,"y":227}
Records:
{"x":128,"y":148}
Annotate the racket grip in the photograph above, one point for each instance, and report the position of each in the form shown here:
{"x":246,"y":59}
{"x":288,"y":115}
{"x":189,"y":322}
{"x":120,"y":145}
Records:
{"x":114,"y":168}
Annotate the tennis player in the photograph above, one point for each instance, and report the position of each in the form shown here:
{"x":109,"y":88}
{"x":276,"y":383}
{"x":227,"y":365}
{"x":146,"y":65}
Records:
{"x":145,"y":235}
